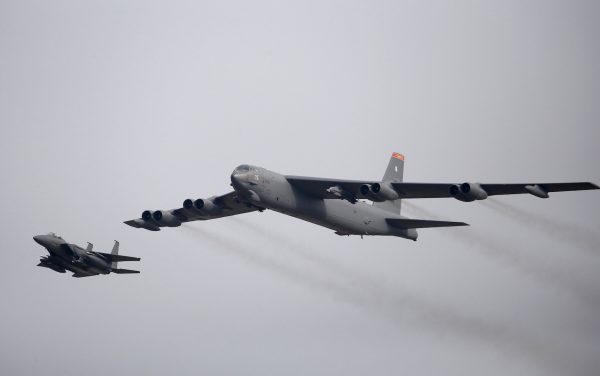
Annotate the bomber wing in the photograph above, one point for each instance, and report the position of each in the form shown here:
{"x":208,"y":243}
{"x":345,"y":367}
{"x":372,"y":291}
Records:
{"x":199,"y":210}
{"x":330,"y":188}
{"x":434,"y":190}
{"x":354,"y":189}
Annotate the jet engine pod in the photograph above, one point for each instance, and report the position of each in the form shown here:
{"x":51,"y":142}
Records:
{"x":188,"y":204}
{"x":147,"y":215}
{"x":199,"y":204}
{"x":379,"y":192}
{"x":202,"y":206}
{"x":384,"y":191}
{"x":468,"y":192}
{"x":165,"y":218}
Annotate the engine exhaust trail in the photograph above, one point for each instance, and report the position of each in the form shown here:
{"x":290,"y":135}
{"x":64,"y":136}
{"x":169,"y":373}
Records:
{"x":402,"y":308}
{"x":291,"y":245}
{"x":512,"y":256}
{"x":584,"y":238}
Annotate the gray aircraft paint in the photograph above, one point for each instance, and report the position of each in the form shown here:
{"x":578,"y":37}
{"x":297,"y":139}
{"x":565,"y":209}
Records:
{"x":82,"y":262}
{"x":112,"y":107}
{"x":335,"y":204}
{"x":272,"y":190}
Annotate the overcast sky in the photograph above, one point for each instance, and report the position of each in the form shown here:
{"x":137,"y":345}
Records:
{"x":108,"y":108}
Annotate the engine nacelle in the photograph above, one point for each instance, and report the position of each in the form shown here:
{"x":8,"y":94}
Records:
{"x":365,"y":189}
{"x":379,"y":192}
{"x":146,"y":215}
{"x":165,"y":218}
{"x":385,"y":191}
{"x":200,"y":206}
{"x":468,"y":192}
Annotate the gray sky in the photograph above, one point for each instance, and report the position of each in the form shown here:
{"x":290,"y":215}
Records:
{"x":107,"y":109}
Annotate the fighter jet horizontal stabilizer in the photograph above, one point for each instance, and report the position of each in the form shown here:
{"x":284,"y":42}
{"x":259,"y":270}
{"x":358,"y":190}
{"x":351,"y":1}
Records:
{"x":124,"y":271}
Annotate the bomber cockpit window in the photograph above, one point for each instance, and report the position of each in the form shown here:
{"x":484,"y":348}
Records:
{"x":243,"y":168}
{"x":53,"y":234}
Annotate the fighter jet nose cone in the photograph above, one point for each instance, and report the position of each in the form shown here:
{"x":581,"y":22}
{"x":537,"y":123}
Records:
{"x":38,"y":239}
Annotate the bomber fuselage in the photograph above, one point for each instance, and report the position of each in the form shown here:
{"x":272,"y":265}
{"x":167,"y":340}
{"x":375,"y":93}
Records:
{"x":271,"y":190}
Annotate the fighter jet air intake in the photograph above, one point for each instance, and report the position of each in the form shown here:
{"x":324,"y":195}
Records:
{"x":349,"y":207}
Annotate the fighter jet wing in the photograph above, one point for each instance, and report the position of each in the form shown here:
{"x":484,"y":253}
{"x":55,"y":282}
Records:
{"x":351,"y":189}
{"x":116,"y":258}
{"x":200,"y":210}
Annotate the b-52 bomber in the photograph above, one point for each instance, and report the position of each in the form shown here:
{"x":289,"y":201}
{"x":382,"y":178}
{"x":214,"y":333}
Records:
{"x":64,"y":256}
{"x":336,"y":203}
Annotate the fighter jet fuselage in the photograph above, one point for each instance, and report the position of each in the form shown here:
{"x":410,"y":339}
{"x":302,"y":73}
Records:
{"x":64,"y":256}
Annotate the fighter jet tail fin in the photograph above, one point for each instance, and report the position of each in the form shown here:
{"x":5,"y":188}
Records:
{"x":393,"y":173}
{"x":115,"y":251}
{"x":125,"y":271}
{"x":407,"y":223}
{"x":89,"y":247}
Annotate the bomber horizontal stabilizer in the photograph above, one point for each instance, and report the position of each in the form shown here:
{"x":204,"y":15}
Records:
{"x":421,"y":223}
{"x":125,"y":271}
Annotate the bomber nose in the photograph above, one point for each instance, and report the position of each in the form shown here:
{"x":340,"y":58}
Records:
{"x":236,"y":179}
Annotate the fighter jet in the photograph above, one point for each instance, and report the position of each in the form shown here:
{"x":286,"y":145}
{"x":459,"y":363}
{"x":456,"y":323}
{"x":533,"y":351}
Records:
{"x":64,"y":256}
{"x":349,"y":207}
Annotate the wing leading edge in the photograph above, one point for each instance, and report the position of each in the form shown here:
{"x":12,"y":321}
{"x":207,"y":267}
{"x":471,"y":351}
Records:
{"x":199,"y":210}
{"x":338,"y":188}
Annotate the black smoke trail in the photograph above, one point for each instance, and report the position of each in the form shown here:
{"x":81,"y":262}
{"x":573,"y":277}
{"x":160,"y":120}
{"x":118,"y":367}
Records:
{"x":402,"y":309}
{"x":583,"y":238}
{"x":514,"y":256}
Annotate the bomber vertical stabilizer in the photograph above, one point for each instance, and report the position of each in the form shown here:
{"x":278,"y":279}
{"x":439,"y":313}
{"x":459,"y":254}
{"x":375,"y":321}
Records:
{"x":393,"y":174}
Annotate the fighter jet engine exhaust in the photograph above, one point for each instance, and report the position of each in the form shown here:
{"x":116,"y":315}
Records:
{"x":468,"y":192}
